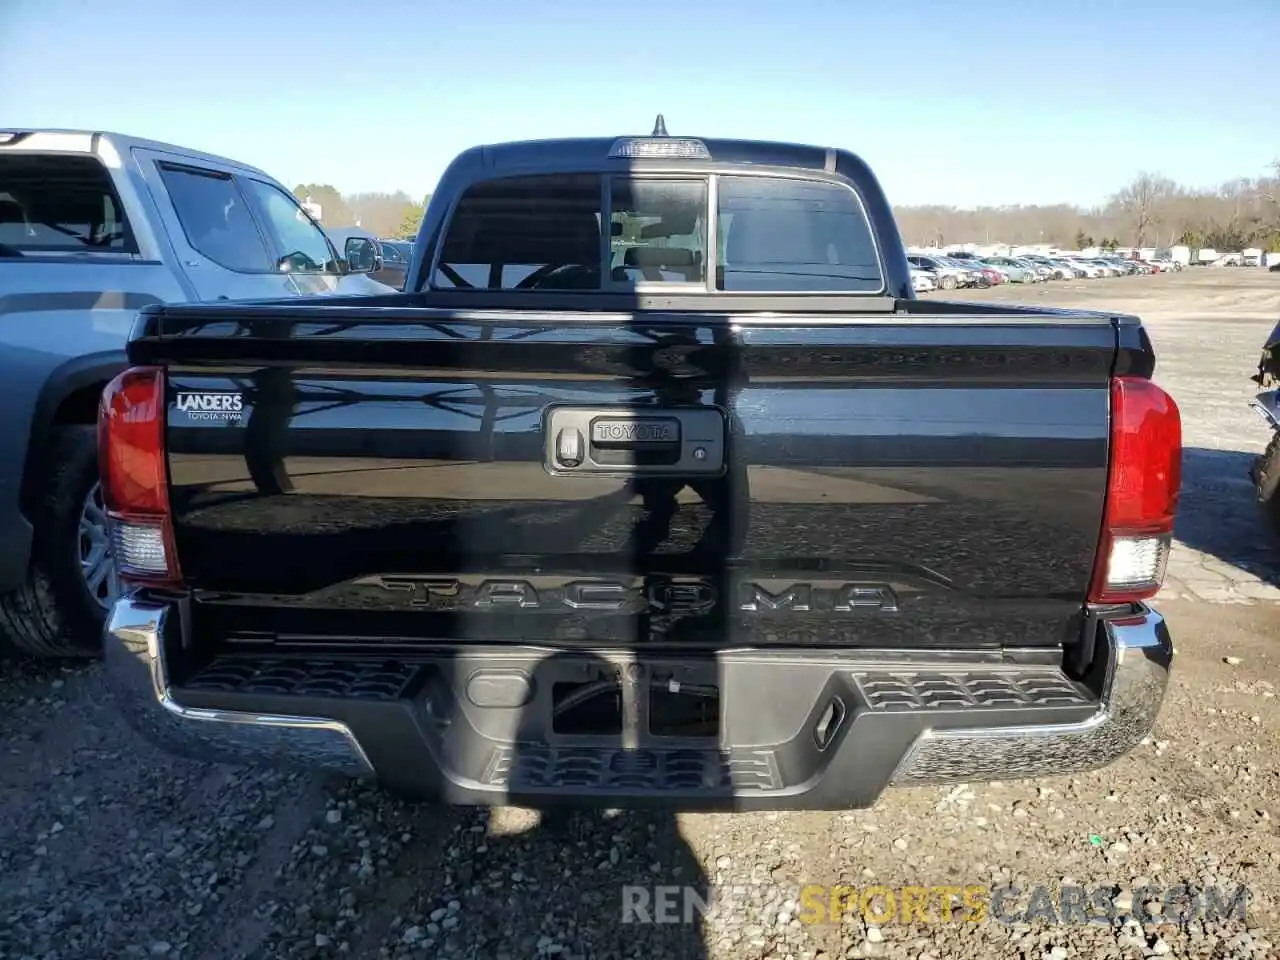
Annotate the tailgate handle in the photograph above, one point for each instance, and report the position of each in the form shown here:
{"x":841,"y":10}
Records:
{"x":603,"y":440}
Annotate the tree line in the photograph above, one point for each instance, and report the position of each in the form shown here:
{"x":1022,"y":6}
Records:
{"x":386,"y":215}
{"x":1149,"y":211}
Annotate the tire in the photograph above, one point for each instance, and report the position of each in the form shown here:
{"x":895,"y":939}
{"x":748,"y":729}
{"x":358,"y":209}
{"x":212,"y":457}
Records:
{"x":54,"y":613}
{"x":1266,"y":475}
{"x":947,"y":282}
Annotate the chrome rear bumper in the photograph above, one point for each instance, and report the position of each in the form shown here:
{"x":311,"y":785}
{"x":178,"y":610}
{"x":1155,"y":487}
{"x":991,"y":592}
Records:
{"x":877,"y":747}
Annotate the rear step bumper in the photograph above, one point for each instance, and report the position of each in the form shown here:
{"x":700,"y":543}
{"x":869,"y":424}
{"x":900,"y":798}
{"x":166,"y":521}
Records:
{"x":799,"y":729}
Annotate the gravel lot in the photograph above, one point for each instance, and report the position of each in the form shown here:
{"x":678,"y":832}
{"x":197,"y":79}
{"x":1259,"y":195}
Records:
{"x":108,"y":849}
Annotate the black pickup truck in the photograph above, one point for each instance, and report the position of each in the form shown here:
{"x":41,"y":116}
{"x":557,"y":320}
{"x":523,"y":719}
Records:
{"x":656,"y":485}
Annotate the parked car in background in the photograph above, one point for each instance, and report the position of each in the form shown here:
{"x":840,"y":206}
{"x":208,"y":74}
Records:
{"x":1040,"y":272}
{"x":1039,"y":263}
{"x":947,"y":275}
{"x":1013,"y":271}
{"x":93,"y":227}
{"x":922,"y":281}
{"x":1059,"y":269}
{"x":975,"y":276}
{"x":992,"y":274}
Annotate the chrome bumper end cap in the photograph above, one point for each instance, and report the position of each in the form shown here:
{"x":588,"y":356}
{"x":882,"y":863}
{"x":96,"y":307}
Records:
{"x":137,"y":676}
{"x":1138,"y":657}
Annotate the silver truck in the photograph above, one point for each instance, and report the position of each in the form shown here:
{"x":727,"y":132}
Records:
{"x":93,"y":227}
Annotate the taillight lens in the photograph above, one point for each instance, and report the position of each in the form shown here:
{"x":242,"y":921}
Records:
{"x":1143,"y":481}
{"x":131,"y":463}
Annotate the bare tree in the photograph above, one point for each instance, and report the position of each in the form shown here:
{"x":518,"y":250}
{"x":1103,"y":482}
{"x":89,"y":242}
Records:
{"x":1269,"y":194}
{"x":1141,"y":201}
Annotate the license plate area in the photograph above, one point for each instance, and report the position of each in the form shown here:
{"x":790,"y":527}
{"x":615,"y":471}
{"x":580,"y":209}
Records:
{"x":637,"y":702}
{"x":603,"y":441}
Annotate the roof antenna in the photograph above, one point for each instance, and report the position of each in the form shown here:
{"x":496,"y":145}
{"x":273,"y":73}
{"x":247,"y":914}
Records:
{"x":659,"y":127}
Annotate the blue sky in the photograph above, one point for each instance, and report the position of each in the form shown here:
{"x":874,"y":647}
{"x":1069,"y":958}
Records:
{"x":953,"y":102}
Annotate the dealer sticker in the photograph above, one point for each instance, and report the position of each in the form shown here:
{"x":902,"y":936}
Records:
{"x":211,"y":406}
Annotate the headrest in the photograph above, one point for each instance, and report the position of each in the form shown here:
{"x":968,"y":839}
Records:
{"x":658,"y":257}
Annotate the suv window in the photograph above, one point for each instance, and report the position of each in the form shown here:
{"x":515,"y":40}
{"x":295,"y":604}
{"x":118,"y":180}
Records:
{"x":779,"y":234}
{"x":539,"y":232}
{"x":60,"y":204}
{"x":301,"y":243}
{"x":216,"y":219}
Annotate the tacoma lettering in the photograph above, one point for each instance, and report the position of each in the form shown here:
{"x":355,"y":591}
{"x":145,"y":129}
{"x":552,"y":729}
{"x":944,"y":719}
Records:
{"x":638,"y":595}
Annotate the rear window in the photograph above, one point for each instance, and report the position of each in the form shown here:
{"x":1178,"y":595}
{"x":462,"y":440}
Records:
{"x":791,"y":235}
{"x":522,"y":233}
{"x":590,"y":232}
{"x":54,"y":204}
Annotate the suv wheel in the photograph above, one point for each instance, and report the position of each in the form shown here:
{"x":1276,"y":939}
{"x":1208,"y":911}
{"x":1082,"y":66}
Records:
{"x":71,"y":582}
{"x":97,"y":562}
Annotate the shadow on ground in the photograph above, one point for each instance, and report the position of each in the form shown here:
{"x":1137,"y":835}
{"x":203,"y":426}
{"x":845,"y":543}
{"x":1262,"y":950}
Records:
{"x":1218,"y":514}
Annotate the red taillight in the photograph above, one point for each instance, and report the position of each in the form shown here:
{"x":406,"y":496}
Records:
{"x":131,"y":462}
{"x":1143,"y":481}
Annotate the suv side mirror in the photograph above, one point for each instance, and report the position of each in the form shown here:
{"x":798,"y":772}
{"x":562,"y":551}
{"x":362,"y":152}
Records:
{"x":362,"y":255}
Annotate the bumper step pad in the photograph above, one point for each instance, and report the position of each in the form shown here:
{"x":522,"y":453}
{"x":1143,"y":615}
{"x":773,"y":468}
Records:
{"x":356,"y":679}
{"x":798,"y":728}
{"x":604,"y":769}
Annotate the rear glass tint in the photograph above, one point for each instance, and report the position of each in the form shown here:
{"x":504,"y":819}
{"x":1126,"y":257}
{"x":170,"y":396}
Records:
{"x":53,"y":204}
{"x":658,"y":231}
{"x":547,"y":232}
{"x":791,"y":235}
{"x":521,"y":233}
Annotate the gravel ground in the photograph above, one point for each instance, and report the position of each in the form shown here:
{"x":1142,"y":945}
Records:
{"x":108,"y":849}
